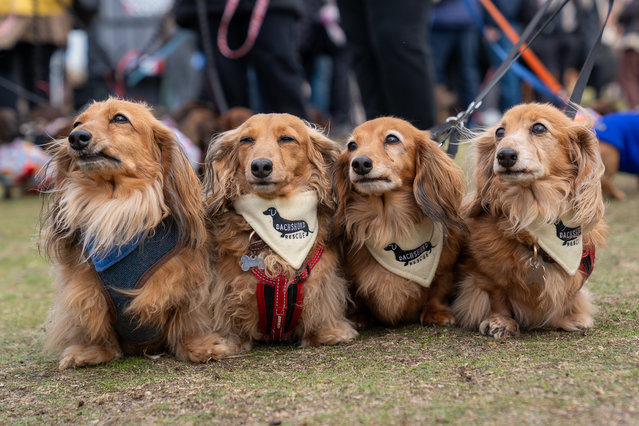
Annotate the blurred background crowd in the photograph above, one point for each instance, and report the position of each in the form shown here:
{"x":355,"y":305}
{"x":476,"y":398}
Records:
{"x":206,"y":65}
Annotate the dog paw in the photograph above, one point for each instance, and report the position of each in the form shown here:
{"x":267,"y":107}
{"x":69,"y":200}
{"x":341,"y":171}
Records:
{"x":342,"y":333}
{"x":212,"y":346}
{"x":85,"y":355}
{"x":576,"y":323}
{"x":440,"y":318}
{"x":499,"y":327}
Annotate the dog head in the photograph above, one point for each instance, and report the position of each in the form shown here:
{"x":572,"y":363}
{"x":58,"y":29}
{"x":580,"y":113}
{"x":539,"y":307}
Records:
{"x":269,"y":155}
{"x":538,"y":161}
{"x":119,"y":148}
{"x":388,"y":153}
{"x":271,"y":211}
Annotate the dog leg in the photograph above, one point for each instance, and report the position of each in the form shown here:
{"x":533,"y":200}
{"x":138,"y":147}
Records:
{"x":436,"y":311}
{"x":610,"y":158}
{"x":84,"y":355}
{"x":580,"y":315}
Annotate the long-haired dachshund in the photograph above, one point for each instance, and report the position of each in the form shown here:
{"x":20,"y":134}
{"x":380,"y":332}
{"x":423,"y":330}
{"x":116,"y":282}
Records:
{"x":269,"y":202}
{"x":399,"y":197}
{"x":126,"y":234}
{"x":535,"y":219}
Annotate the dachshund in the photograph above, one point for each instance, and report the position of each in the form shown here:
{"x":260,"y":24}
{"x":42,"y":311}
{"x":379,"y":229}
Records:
{"x":273,"y":282}
{"x":535,"y":219}
{"x":124,"y":228}
{"x":393,"y":183}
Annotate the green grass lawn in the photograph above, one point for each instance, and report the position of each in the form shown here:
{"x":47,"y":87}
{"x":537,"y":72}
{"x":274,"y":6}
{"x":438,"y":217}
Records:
{"x":411,"y":375}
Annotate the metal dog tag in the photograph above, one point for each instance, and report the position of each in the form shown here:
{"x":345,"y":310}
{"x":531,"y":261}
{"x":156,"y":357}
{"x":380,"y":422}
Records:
{"x":537,"y":273}
{"x":252,"y":261}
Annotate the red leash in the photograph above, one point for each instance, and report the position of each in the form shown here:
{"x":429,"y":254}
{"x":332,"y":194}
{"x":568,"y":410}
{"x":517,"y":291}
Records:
{"x":257,"y":17}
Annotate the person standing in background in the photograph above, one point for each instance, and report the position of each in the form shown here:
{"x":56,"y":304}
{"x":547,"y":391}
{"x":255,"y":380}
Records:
{"x":274,"y":56}
{"x":30,"y":31}
{"x":629,"y":64}
{"x":390,"y":54}
{"x":455,"y":37}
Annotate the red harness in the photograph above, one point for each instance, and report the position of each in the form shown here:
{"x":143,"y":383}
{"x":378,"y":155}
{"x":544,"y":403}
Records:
{"x":279,"y":302}
{"x":586,"y":265}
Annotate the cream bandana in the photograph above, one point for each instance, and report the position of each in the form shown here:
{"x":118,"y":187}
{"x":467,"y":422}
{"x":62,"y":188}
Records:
{"x":561,"y":240}
{"x":288,"y":225}
{"x":414,"y":258}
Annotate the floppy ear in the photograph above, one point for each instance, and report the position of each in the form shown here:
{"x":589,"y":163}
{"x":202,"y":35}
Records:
{"x":220,"y":166}
{"x":587,"y":200}
{"x":341,"y":184}
{"x":322,"y":153}
{"x":439,"y":184}
{"x":182,"y":190}
{"x":56,"y":237}
{"x":483,"y":153}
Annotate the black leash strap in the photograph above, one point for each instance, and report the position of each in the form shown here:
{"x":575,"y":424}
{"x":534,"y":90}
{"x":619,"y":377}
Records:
{"x":450,"y":130}
{"x":586,"y":69}
{"x":211,"y":73}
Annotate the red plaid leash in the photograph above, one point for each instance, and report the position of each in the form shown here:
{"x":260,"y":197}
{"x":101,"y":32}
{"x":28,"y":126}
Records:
{"x":257,"y":17}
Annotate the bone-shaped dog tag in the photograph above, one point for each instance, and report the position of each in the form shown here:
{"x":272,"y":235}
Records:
{"x":252,"y":261}
{"x":536,"y":273}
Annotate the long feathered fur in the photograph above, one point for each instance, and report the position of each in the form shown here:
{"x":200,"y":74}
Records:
{"x":567,"y":169}
{"x":427,"y":183}
{"x":114,"y":202}
{"x":234,"y":301}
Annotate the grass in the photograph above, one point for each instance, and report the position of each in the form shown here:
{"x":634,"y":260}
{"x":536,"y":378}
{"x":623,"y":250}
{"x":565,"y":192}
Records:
{"x":404,"y":375}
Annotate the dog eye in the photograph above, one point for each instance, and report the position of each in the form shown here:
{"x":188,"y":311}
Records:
{"x":500,"y":133}
{"x":285,"y":139}
{"x":76,"y":124}
{"x":352,"y":146}
{"x":391,"y":140}
{"x":247,"y":139}
{"x":538,"y":129}
{"x":120,"y":119}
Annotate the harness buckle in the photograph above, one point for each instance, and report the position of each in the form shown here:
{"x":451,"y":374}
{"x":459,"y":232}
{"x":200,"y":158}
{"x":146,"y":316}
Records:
{"x":298,"y":276}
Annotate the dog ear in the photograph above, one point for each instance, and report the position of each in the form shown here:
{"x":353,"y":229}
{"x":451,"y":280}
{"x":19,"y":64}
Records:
{"x":182,"y":190}
{"x":322,"y":153}
{"x":483,"y":153}
{"x":439,"y":183}
{"x":220,"y":167}
{"x":55,"y":235}
{"x":341,"y":185}
{"x":587,"y":201}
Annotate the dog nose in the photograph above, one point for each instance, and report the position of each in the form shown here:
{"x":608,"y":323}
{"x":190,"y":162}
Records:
{"x":507,"y":157}
{"x":80,"y":139}
{"x":262,"y":167}
{"x":362,"y":165}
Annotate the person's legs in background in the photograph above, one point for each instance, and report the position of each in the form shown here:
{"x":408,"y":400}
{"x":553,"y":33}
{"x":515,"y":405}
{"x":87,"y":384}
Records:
{"x":400,"y":39}
{"x":278,"y":66}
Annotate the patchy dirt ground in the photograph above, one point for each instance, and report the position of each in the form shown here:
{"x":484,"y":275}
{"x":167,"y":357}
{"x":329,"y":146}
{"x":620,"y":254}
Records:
{"x":397,"y":376}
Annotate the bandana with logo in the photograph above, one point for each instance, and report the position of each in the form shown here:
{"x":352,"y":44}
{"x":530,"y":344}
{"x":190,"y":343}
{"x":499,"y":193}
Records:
{"x":561,"y":240}
{"x":288,"y":225}
{"x":415,"y":257}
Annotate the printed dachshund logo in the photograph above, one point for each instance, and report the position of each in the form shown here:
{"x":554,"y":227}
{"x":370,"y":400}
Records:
{"x":285,"y":226}
{"x":568,"y":235}
{"x":408,"y":256}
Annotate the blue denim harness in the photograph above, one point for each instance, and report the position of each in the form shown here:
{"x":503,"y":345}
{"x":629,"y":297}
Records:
{"x":129,"y":268}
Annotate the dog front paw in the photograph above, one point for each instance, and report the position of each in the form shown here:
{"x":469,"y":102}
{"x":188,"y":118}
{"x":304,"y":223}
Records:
{"x":499,"y":326}
{"x":440,"y":318}
{"x":212,"y":346}
{"x":84,"y":355}
{"x":343,"y":332}
{"x":576,"y":322}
